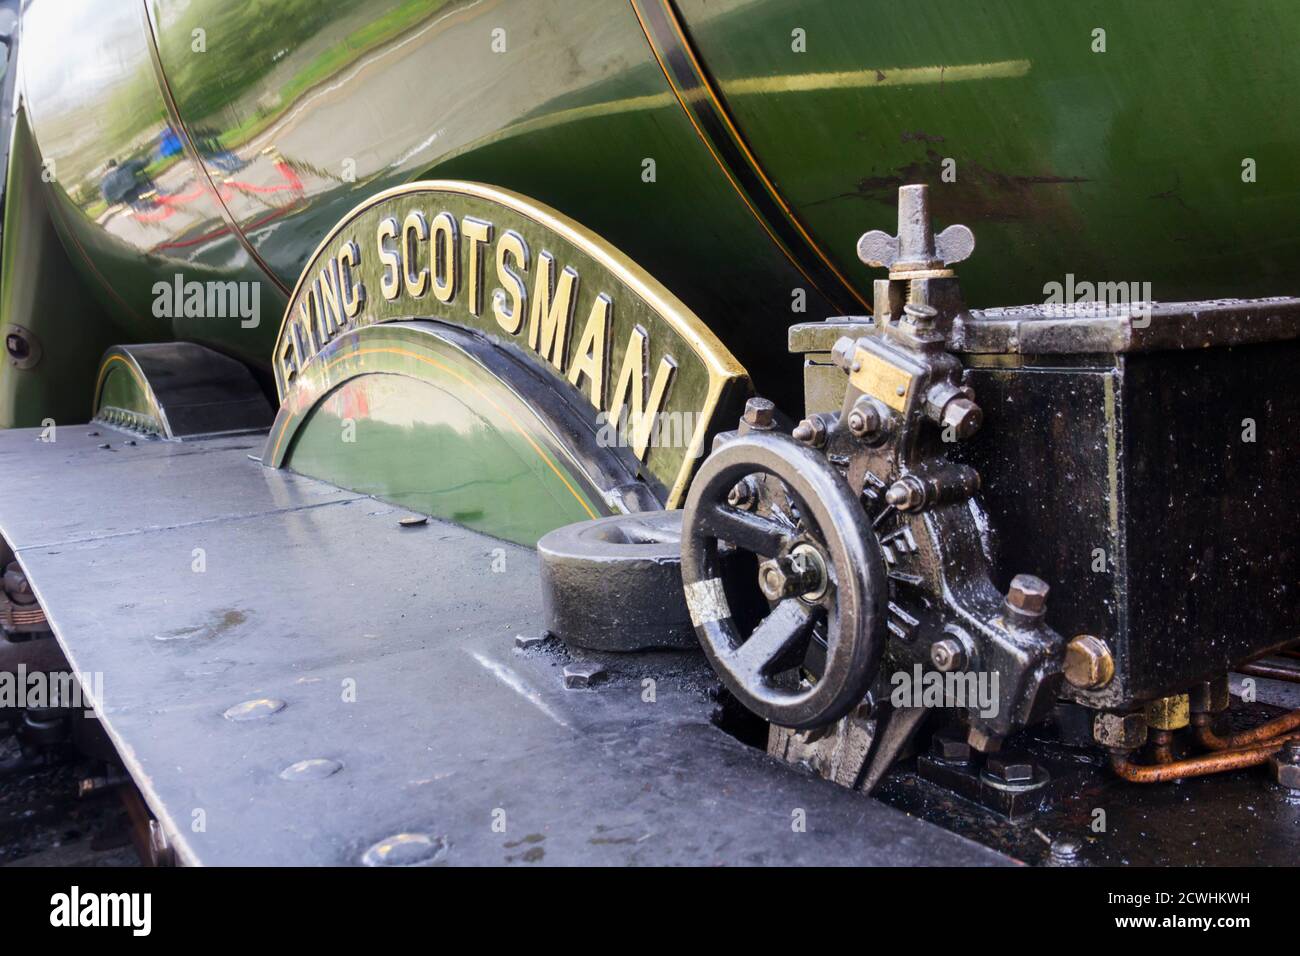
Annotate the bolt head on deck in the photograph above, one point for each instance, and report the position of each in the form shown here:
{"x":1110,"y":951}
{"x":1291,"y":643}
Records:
{"x":583,"y":674}
{"x":1010,"y":768}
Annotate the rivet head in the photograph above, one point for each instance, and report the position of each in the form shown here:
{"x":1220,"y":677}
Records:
{"x":317,"y":768}
{"x":254,"y":709}
{"x":407,"y":849}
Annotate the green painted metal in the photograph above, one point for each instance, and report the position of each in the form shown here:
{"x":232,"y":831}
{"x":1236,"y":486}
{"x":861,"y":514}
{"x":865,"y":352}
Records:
{"x":1123,"y":165}
{"x":40,"y":293}
{"x":396,"y":411}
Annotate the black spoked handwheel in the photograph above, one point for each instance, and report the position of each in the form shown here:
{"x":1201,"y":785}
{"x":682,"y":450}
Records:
{"x":821,"y":569}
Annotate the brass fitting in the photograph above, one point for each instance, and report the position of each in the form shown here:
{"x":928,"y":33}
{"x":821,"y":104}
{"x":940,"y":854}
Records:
{"x":1169,"y":713}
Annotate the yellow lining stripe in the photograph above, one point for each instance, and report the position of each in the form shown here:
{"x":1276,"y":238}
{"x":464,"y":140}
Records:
{"x":707,"y":84}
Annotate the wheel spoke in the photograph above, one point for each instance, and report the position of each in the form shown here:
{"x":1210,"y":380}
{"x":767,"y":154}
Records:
{"x":789,"y":622}
{"x":762,"y":536}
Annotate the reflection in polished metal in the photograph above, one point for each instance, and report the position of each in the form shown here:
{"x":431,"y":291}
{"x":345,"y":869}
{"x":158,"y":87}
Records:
{"x":708,"y":113}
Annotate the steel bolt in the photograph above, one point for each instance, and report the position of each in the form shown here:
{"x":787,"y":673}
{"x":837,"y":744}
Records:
{"x":963,"y":416}
{"x":1028,"y":595}
{"x":803,"y":572}
{"x":1117,"y":731}
{"x":759,"y":413}
{"x":948,"y":655}
{"x":922,"y":315}
{"x":1088,"y":662}
{"x":1285,"y":765}
{"x":583,"y":675}
{"x":985,"y":741}
{"x":950,"y":749}
{"x":1010,"y":768}
{"x":810,"y":431}
{"x":906,"y":494}
{"x":843,"y":352}
{"x":743,"y":494}
{"x":864,"y":420}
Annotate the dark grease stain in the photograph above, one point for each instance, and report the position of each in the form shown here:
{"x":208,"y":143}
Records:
{"x":533,"y":854}
{"x":990,"y":195}
{"x":221,"y":622}
{"x":531,"y":838}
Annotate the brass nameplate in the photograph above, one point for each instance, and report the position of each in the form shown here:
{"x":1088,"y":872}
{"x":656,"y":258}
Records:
{"x":483,"y":258}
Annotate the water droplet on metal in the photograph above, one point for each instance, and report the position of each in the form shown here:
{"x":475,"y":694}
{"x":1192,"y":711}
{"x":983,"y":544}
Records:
{"x":317,"y":768}
{"x":407,"y":849}
{"x":254,"y":709}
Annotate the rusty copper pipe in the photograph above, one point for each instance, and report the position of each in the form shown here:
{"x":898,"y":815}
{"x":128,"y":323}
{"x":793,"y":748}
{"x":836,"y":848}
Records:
{"x":1263,"y":733}
{"x":1272,"y":671}
{"x":1193,"y":766}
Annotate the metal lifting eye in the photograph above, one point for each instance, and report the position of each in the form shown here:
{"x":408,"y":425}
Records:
{"x":819,"y":567}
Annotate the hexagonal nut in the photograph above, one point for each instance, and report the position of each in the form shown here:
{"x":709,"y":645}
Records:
{"x":1028,"y":594}
{"x":744,"y":493}
{"x":865,"y":418}
{"x":1120,"y":731}
{"x":773,"y":580}
{"x":581,"y":675}
{"x":843,"y":352}
{"x":759,"y":413}
{"x":1010,"y":768}
{"x":948,"y":655}
{"x":1088,"y":662}
{"x":949,"y":749}
{"x":1168,"y":713}
{"x":1285,"y":768}
{"x":963,"y":416}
